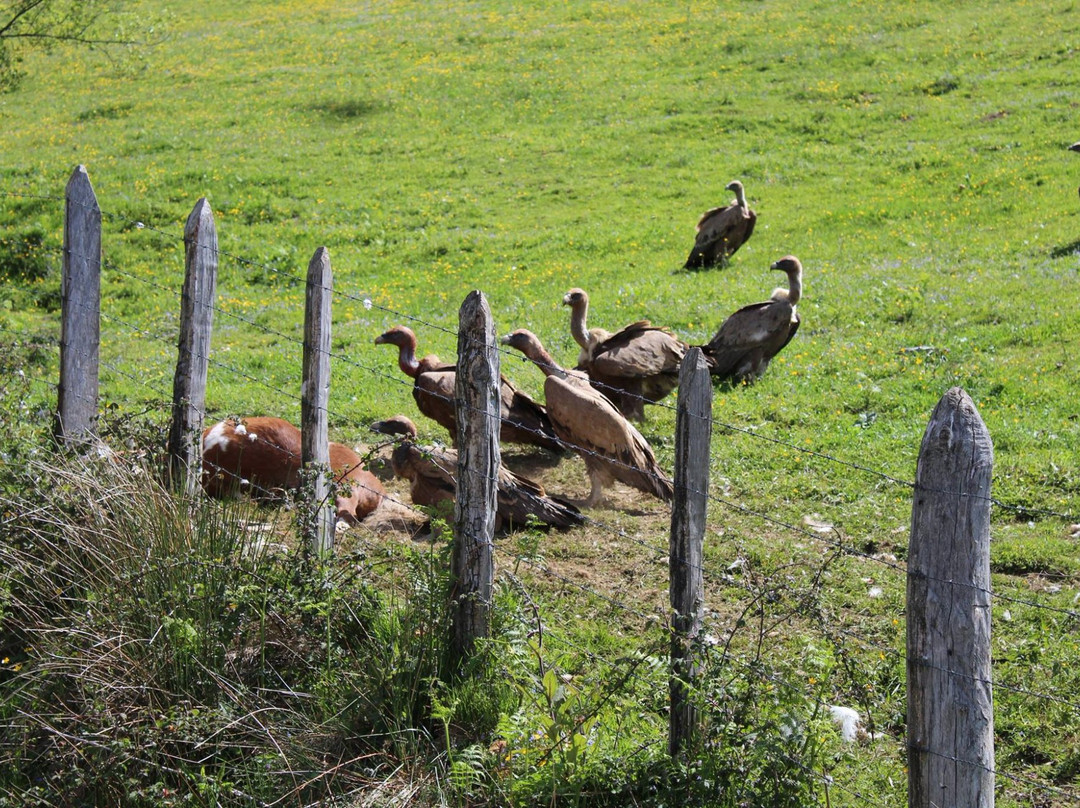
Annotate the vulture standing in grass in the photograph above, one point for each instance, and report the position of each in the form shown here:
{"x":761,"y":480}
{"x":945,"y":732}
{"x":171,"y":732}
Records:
{"x":431,"y":471}
{"x":589,"y":423}
{"x":635,"y":366}
{"x":721,"y":231}
{"x":753,"y":335}
{"x":523,"y":420}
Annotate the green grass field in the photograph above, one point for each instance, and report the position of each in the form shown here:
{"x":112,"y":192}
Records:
{"x":912,"y":155}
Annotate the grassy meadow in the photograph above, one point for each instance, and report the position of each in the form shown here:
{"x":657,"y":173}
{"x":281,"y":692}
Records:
{"x":912,"y":155}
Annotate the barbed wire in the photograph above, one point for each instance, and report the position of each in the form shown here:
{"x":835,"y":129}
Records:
{"x":369,"y":303}
{"x":584,"y":451}
{"x":726,"y":503}
{"x":546,"y":570}
{"x":756,"y":670}
{"x":911,"y":484}
{"x":597,"y":659}
{"x":780,"y":523}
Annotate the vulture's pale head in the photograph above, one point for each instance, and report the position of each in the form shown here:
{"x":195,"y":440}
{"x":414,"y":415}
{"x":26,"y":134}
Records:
{"x":396,"y":425}
{"x":399,"y":335}
{"x":740,"y":193}
{"x":523,"y":339}
{"x":789,"y":264}
{"x":529,"y":344}
{"x":575,"y":297}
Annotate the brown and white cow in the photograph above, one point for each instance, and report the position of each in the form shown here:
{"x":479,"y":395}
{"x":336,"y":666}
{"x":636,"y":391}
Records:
{"x":261,"y":456}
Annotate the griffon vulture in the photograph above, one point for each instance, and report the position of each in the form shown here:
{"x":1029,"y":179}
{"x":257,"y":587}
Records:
{"x":753,"y":335}
{"x":635,"y":366}
{"x":589,"y":423}
{"x":523,"y":420}
{"x":430,"y":472}
{"x":261,"y":455}
{"x":721,"y":231}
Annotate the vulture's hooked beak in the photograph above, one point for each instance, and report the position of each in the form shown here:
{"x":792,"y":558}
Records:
{"x":380,"y":428}
{"x":508,"y":341}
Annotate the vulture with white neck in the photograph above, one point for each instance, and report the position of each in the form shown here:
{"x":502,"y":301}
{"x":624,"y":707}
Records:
{"x":523,"y":419}
{"x":635,"y":366}
{"x":589,"y":423}
{"x":753,"y":335}
{"x":721,"y":231}
{"x":431,"y":475}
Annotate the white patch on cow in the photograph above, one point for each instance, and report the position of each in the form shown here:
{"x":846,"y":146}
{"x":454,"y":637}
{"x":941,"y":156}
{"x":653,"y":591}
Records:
{"x":253,"y":437}
{"x":215,"y":438}
{"x":240,"y":429}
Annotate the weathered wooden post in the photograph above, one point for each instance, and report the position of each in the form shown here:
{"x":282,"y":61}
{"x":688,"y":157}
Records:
{"x":193,"y":348}
{"x":693,"y":432}
{"x":477,"y":394}
{"x":80,"y":328}
{"x":950,"y":718}
{"x":317,"y":517}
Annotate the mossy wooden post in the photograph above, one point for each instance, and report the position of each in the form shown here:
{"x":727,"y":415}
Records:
{"x":950,"y":719}
{"x":317,"y":525}
{"x":477,"y":394}
{"x":193,"y":348}
{"x":693,"y":432}
{"x":80,"y":326}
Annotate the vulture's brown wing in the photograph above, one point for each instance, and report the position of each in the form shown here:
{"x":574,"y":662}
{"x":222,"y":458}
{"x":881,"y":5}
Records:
{"x":433,"y":391}
{"x":741,"y":232}
{"x":708,"y":222}
{"x":795,"y":321}
{"x":512,"y":480}
{"x":717,"y":225}
{"x":525,"y":420}
{"x":585,"y":418}
{"x":430,"y":472}
{"x":763,"y":327}
{"x":713,"y":230}
{"x":639,"y":350}
{"x":595,"y":428}
{"x":523,"y":501}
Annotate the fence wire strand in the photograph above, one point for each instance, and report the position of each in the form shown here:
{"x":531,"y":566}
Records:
{"x":539,"y":567}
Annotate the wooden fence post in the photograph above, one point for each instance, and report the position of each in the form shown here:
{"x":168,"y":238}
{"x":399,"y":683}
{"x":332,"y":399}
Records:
{"x":950,"y":718}
{"x":693,"y":432}
{"x":317,"y":522}
{"x":477,"y":394}
{"x":193,"y":348}
{"x":80,"y":329}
